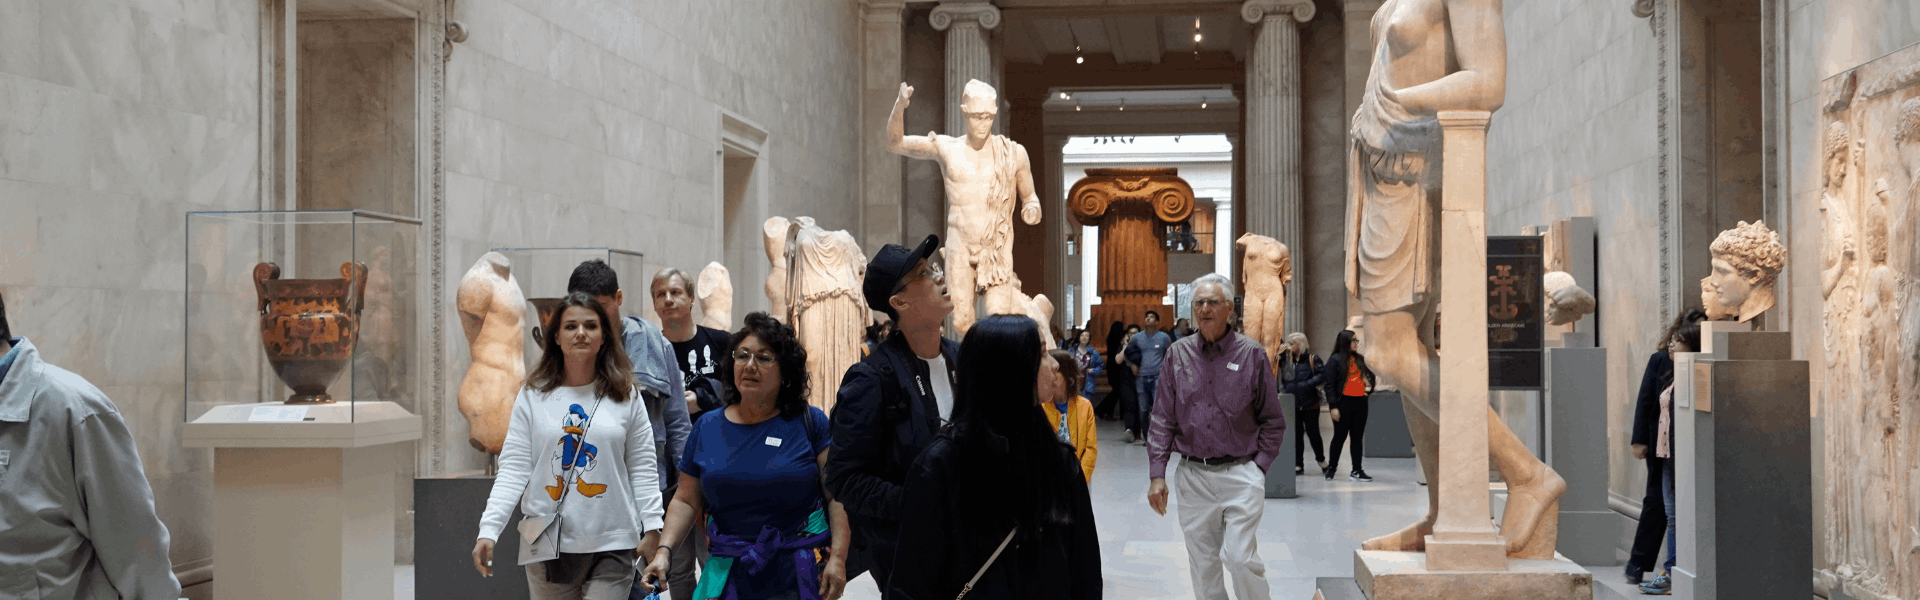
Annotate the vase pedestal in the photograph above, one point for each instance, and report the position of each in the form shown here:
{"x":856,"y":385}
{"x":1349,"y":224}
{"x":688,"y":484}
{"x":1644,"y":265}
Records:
{"x":304,"y":510}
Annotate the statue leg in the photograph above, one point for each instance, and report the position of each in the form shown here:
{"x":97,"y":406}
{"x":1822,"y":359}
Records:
{"x":961,"y":290}
{"x":1426,"y":444}
{"x":1398,"y":354}
{"x":1531,"y":522}
{"x":1256,"y":326}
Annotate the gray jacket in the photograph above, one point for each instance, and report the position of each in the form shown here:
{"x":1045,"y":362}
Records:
{"x":658,"y":375}
{"x":76,"y":514}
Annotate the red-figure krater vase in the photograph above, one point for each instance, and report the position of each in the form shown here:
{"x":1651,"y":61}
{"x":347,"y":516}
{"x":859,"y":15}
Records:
{"x":309,"y":327}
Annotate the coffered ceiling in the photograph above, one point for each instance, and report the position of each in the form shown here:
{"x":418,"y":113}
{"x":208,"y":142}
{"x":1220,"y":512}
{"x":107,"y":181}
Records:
{"x":1132,"y":31}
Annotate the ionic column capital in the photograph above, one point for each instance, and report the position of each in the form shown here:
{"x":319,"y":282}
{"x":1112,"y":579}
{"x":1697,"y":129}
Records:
{"x":1257,"y":11}
{"x":951,"y":11}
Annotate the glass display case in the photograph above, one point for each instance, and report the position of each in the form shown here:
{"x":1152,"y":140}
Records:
{"x":543,"y":273}
{"x":301,"y":317}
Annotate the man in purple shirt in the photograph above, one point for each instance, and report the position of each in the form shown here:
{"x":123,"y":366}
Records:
{"x":1218,"y":408}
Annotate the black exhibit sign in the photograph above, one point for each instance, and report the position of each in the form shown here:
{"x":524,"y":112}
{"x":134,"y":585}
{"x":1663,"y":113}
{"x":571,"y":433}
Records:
{"x":1516,"y":317}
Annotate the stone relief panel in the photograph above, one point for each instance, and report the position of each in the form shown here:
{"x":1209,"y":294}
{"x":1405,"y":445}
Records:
{"x":1870,"y":209}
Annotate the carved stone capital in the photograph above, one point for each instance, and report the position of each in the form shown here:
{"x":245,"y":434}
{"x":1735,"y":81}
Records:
{"x":882,"y":10}
{"x":1256,"y":11}
{"x":951,"y":11}
{"x":1643,"y":8}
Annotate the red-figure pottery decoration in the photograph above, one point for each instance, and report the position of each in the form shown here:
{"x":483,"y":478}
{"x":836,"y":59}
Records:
{"x":309,"y":327}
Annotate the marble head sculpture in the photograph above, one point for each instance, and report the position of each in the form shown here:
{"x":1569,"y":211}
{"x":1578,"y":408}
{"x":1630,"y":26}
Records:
{"x":1566,"y":300}
{"x":715,"y":292}
{"x":1746,"y":261}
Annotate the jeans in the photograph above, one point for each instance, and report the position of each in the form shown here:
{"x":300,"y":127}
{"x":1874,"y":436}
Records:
{"x":1353,"y":421}
{"x":1306,"y":422}
{"x":1147,"y":385}
{"x":1666,"y":495}
{"x":1653,"y":518}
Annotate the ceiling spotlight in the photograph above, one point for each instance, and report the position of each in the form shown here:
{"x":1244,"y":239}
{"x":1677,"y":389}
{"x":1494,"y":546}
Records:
{"x":1196,"y":22}
{"x":1076,"y":107}
{"x":1079,"y":60}
{"x":1196,"y":38}
{"x":1203,"y":105}
{"x":1063,"y":95}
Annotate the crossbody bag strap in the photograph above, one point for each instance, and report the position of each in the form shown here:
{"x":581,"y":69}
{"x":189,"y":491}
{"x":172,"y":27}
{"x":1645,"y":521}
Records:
{"x":983,"y":568}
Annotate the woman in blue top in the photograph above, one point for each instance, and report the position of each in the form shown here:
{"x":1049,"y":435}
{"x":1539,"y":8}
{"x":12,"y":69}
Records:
{"x":755,"y":468}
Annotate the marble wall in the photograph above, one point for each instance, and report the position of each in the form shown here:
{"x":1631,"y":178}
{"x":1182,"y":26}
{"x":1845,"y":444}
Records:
{"x":1577,"y":138}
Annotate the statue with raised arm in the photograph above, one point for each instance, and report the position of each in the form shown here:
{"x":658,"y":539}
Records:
{"x":986,"y":176}
{"x":1429,"y":56}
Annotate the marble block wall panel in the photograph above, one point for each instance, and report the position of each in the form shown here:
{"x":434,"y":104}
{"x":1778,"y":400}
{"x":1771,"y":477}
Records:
{"x":116,"y":118}
{"x":1577,"y":138}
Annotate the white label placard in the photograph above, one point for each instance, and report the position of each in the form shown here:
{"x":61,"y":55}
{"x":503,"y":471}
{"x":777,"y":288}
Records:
{"x":278,"y":414}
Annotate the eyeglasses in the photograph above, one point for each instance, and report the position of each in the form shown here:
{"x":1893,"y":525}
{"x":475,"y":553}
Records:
{"x":742,"y":357}
{"x":929,"y":271}
{"x":1209,"y":302}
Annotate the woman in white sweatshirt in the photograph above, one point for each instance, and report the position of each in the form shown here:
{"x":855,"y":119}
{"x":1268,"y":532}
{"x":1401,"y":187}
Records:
{"x":580,"y":442}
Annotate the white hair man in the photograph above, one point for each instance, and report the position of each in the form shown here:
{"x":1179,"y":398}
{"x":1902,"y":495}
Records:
{"x":1219,"y":408}
{"x":985,"y":175}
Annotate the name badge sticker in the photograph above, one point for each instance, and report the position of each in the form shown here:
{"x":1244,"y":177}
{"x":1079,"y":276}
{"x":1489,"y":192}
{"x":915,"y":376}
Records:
{"x":773,"y":441}
{"x":1233,"y":366}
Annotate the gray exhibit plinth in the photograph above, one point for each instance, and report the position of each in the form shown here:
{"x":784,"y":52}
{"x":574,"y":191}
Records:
{"x":446,"y":521}
{"x":1280,"y":479}
{"x":1743,"y":469}
{"x":1387,"y":435}
{"x":1576,"y":405}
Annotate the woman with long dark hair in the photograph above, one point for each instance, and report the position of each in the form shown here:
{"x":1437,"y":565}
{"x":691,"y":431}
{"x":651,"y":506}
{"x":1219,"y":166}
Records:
{"x":1348,"y":382}
{"x":1110,"y":407}
{"x":997,"y":496}
{"x":579,"y":457}
{"x":1650,"y":412}
{"x":755,"y":468}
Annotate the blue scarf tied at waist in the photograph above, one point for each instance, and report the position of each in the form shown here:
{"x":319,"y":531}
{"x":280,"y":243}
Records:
{"x":727,"y":551}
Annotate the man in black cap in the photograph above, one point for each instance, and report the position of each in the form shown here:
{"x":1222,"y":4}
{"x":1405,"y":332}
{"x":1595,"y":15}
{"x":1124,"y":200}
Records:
{"x":892,"y":402}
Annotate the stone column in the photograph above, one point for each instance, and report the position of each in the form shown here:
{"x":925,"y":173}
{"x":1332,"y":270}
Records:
{"x":882,"y":215}
{"x":1464,"y":538}
{"x":1273,"y":199}
{"x":968,"y":24}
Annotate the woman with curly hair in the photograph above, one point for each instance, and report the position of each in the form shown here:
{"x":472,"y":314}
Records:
{"x":755,"y":468}
{"x":997,"y":489}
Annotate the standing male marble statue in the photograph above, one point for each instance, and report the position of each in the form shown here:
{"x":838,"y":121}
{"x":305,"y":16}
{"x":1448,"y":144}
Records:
{"x":985,"y":174}
{"x":1429,"y":56}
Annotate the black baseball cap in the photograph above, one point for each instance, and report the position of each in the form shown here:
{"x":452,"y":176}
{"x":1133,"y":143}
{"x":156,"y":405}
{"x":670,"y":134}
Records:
{"x":890,"y":265}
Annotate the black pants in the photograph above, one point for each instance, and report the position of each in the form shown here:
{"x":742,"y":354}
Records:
{"x":1130,"y":405}
{"x":1306,"y":421}
{"x":1353,"y":421}
{"x":1653,"y":521}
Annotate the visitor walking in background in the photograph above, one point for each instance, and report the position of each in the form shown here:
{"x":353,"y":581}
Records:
{"x":1145,"y":352}
{"x":1348,"y":382}
{"x":78,"y":512}
{"x":579,"y":456}
{"x":892,"y":402}
{"x":1070,"y":414}
{"x":1088,"y":361}
{"x":1120,"y":376}
{"x":998,"y":490}
{"x":1300,"y":376}
{"x":1221,"y":411}
{"x":1652,"y":419}
{"x":755,"y":468}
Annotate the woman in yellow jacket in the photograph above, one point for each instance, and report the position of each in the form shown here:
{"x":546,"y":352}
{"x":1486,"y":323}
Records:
{"x":1077,"y":427}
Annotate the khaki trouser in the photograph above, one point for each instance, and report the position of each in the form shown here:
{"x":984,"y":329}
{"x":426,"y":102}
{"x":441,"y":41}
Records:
{"x":610,"y":579}
{"x":1220,"y":510}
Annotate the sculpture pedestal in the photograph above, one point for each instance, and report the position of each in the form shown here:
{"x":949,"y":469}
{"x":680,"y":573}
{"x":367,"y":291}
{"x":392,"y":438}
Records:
{"x":446,"y":521}
{"x":1404,"y":576}
{"x":1280,"y":479}
{"x":1576,"y":399}
{"x":1742,"y":468}
{"x":304,"y":510}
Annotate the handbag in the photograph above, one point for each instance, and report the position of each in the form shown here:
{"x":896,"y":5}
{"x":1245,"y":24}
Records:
{"x":541,"y":533}
{"x":983,"y":568}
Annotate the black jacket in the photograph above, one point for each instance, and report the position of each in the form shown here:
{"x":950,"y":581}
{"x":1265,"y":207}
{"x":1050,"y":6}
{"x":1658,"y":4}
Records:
{"x":1302,"y":379}
{"x":941,"y":547}
{"x":1646,"y":410}
{"x":884,"y":416}
{"x":1333,"y":377}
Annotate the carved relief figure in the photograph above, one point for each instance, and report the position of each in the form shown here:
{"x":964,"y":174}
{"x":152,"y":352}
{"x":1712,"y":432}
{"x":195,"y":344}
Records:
{"x":1746,"y":261}
{"x":715,"y":292}
{"x":985,"y":176}
{"x":829,"y":313}
{"x":1266,"y":267}
{"x":1566,"y":300}
{"x":1838,"y":289}
{"x":1429,"y":56}
{"x":492,"y":313}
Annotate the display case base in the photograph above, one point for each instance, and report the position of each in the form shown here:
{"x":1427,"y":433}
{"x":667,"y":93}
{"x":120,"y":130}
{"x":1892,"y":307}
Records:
{"x":1404,"y":576}
{"x":304,"y":523}
{"x":338,"y":425}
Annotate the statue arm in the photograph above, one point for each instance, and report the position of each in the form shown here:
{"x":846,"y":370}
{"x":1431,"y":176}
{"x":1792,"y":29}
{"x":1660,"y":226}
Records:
{"x":898,"y":142}
{"x":1030,"y":210}
{"x":1479,"y":39}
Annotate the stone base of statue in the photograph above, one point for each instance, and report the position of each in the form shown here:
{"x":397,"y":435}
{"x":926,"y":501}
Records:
{"x":1742,"y":467}
{"x":1280,"y":478}
{"x":1404,"y":576}
{"x":446,"y":520}
{"x":303,"y":504}
{"x":1576,"y":399}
